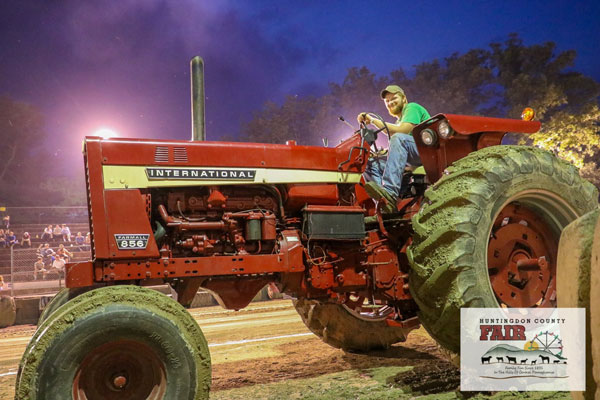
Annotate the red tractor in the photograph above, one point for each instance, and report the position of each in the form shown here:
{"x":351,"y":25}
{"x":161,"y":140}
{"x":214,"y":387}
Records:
{"x":479,"y":228}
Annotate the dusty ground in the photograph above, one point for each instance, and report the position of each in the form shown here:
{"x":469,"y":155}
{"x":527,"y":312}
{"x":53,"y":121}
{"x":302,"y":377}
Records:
{"x":266,"y":351}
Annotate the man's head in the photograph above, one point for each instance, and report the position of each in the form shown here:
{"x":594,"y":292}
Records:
{"x":394,"y":99}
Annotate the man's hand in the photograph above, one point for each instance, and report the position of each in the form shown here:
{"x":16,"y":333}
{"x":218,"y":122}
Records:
{"x":364,"y":117}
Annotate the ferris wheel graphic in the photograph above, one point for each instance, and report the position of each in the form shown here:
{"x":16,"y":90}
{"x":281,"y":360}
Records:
{"x":547,"y":341}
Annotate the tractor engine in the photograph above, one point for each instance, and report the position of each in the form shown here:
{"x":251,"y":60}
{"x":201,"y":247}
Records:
{"x":213,"y":221}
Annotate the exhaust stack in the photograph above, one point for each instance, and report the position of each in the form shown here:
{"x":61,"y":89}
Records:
{"x":198,"y":120}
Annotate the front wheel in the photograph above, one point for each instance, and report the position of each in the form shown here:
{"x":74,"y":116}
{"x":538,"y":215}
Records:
{"x":120,"y":342}
{"x":63,"y":296}
{"x":487,"y":235}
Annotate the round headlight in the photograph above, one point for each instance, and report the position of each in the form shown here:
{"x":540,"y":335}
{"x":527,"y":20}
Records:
{"x":428,"y":137}
{"x":444,"y":129}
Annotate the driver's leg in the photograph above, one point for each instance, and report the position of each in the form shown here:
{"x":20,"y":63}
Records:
{"x":402,"y":150}
{"x":375,"y":168}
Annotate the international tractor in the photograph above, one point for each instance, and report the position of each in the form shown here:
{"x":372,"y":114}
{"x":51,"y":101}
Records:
{"x":478,"y":226}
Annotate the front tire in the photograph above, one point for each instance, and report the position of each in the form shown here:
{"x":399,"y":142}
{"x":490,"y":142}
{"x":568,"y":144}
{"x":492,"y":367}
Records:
{"x":482,"y":226}
{"x":62,"y":297}
{"x":119,"y":342}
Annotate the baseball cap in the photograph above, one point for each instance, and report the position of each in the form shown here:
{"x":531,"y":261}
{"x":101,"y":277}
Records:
{"x":391,"y":89}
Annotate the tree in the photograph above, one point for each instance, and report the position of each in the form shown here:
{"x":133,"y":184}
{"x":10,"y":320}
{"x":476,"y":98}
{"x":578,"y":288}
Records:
{"x":564,"y":100}
{"x":459,"y":84}
{"x":23,"y":159}
{"x":276,"y":124}
{"x":499,"y":81}
{"x":20,"y":127}
{"x":21,"y":132}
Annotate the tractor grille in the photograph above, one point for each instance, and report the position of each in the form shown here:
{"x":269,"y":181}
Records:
{"x":161,"y":154}
{"x":180,"y":154}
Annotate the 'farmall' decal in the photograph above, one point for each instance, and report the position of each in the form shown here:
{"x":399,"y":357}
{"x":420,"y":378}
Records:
{"x":132,"y":241}
{"x":201,"y":174}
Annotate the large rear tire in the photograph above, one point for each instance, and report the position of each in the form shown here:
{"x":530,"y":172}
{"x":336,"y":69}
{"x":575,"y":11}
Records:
{"x":579,"y":272}
{"x":119,"y":342}
{"x":481,"y":228}
{"x":340,"y":327}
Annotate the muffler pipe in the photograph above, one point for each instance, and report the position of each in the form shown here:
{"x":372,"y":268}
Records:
{"x":198,"y":119}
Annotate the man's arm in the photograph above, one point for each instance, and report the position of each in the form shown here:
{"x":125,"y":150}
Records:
{"x":403,"y":127}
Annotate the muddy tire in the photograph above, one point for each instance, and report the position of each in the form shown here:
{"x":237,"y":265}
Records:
{"x":8,"y":311}
{"x":492,"y":211}
{"x":62,"y":297}
{"x":579,"y":271}
{"x":339,"y":327}
{"x":116,"y":342}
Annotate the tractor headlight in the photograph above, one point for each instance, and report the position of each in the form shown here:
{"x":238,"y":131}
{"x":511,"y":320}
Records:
{"x":444,"y":129}
{"x":428,"y":137}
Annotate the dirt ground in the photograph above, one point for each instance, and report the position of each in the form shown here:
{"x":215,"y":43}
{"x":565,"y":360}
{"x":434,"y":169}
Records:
{"x":267,"y":349}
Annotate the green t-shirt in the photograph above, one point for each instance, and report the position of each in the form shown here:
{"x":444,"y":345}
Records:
{"x":414,"y":113}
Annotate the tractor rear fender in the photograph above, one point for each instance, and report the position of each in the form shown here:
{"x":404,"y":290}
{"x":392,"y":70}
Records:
{"x":466,"y":134}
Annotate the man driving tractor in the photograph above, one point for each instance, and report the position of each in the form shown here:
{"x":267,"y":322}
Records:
{"x":402,"y":147}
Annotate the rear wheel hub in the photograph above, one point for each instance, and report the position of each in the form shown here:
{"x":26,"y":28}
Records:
{"x":522,"y":259}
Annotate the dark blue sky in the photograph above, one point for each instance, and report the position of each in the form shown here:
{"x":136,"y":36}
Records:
{"x":125,"y":64}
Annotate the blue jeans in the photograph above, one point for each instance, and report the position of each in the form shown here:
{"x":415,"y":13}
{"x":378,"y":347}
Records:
{"x":402,"y":150}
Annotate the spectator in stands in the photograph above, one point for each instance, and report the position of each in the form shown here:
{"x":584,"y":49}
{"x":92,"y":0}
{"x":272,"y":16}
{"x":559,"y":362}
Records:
{"x":2,"y":238}
{"x":66,"y":233}
{"x":26,"y":239}
{"x":62,"y":251}
{"x":3,"y":286}
{"x":48,"y":254}
{"x":11,"y":239}
{"x":6,"y":221}
{"x":88,"y":241}
{"x":58,"y":265}
{"x":39,"y":266}
{"x":79,"y":241}
{"x":47,"y":235}
{"x":56,"y":233}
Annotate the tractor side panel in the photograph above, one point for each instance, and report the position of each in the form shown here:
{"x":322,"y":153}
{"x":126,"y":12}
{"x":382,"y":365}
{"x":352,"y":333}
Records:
{"x":129,"y":232}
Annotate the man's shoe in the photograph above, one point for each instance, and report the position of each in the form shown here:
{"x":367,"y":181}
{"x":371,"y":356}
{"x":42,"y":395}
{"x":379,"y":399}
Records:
{"x":370,"y":219}
{"x":376,"y":192}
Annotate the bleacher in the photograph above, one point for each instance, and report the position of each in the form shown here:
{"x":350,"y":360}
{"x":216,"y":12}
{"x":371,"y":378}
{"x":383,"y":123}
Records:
{"x":36,"y":231}
{"x":28,"y":255}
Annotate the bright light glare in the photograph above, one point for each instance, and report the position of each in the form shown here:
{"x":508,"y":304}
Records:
{"x":105,"y":133}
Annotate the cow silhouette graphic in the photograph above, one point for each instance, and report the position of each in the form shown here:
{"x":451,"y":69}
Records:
{"x":513,"y":359}
{"x":484,"y":359}
{"x":500,"y":359}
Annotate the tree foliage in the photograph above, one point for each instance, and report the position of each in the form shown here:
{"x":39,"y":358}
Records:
{"x":24,"y":161}
{"x":498,"y":81}
{"x":20,"y":127}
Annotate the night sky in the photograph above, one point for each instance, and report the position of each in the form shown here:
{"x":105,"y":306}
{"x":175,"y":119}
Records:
{"x":125,"y":64}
